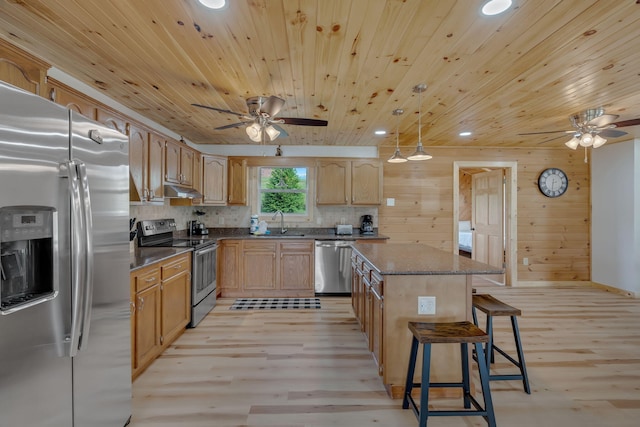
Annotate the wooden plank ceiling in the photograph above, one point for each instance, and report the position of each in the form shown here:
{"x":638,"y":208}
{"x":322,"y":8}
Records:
{"x":350,"y":62}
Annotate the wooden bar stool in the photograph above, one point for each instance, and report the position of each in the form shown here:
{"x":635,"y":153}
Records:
{"x":494,"y":307}
{"x":453,"y":332}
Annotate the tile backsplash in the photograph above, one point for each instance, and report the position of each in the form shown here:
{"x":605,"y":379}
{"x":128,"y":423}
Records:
{"x":239,"y":216}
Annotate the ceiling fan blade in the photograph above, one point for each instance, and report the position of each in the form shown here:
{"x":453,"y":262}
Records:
{"x":232,"y":125}
{"x":302,"y":122}
{"x":612,"y":133}
{"x":625,"y":123}
{"x":602,"y":120}
{"x":550,"y":131}
{"x":283,"y":132}
{"x":552,"y":139}
{"x":219,"y":109}
{"x":272,"y":106}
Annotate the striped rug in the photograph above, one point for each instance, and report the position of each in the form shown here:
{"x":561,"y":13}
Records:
{"x":274,"y":303}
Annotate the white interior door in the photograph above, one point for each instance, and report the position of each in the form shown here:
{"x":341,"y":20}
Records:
{"x":488,"y":217}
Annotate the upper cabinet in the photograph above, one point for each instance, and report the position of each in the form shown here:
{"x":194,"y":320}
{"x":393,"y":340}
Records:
{"x":349,"y":182}
{"x":22,"y":69}
{"x":237,"y":181}
{"x":179,"y":163}
{"x":214,"y":180}
{"x":146,"y":161}
{"x":72,"y":99}
{"x":155,"y":167}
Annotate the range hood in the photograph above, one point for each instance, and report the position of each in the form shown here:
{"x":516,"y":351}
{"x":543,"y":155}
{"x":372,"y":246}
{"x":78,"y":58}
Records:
{"x":179,"y":192}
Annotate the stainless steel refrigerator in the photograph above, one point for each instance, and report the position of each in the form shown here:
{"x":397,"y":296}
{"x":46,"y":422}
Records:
{"x":64,"y":283}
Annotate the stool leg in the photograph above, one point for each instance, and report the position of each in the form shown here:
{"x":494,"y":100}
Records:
{"x":475,"y":316}
{"x":464,"y":354}
{"x":523,"y":367}
{"x":410,"y":371}
{"x":424,"y":389}
{"x":483,"y":369}
{"x":489,"y":353}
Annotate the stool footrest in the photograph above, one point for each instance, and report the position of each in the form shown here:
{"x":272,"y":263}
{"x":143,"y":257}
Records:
{"x":506,"y":377}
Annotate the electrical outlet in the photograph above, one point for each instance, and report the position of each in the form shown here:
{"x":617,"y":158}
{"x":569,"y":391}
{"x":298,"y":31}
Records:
{"x":391,"y":202}
{"x":525,"y":261}
{"x":220,"y":220}
{"x":426,"y":305}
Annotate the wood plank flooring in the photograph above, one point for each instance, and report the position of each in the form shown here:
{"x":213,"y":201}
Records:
{"x":311,"y":368}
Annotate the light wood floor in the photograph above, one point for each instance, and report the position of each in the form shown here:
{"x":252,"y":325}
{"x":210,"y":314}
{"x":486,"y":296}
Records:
{"x":310,"y":368}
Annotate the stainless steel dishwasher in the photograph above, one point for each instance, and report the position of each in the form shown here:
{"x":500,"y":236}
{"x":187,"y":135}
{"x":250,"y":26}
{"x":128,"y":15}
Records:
{"x":333,"y":267}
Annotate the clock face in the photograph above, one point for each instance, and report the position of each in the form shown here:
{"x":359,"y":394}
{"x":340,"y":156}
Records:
{"x":553,"y":182}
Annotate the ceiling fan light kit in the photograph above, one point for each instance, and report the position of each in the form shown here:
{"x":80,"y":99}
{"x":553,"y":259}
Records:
{"x":397,"y":155}
{"x":420,"y":154}
{"x":495,"y":7}
{"x":213,"y":4}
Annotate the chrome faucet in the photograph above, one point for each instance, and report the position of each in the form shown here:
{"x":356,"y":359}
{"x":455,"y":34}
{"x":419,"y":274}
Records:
{"x":282,"y":229}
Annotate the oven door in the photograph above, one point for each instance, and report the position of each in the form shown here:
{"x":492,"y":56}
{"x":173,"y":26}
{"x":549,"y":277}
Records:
{"x":204,"y":273}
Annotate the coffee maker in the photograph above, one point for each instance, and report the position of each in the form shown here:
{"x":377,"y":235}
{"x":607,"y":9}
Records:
{"x":366,"y":224}
{"x":196,"y":228}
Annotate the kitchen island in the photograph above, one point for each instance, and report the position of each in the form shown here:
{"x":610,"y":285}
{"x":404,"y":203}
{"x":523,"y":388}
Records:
{"x":386,"y":283}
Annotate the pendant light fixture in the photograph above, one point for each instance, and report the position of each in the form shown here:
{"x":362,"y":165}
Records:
{"x":397,"y":156}
{"x":420,"y":154}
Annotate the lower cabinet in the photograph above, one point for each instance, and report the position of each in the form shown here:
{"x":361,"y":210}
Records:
{"x":367,"y":298}
{"x":266,"y":268}
{"x":161,"y":308}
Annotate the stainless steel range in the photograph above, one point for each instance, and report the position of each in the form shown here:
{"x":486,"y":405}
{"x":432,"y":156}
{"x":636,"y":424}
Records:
{"x":159,"y":233}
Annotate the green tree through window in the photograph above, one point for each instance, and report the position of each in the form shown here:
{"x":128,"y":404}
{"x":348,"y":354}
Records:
{"x":283,"y":189}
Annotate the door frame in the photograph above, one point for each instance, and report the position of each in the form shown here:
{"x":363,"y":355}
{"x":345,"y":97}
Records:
{"x":510,"y":214}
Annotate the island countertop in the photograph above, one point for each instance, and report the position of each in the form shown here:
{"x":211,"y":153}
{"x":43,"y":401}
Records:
{"x":419,"y":259}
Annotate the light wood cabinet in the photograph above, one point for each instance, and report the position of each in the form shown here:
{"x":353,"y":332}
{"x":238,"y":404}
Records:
{"x":349,"y":182}
{"x":155,"y":167}
{"x":296,"y":265}
{"x":138,"y":162}
{"x":267,"y":268}
{"x":259,"y":265}
{"x":111,"y":119}
{"x":214,"y":180}
{"x":237,"y":184}
{"x":179,"y":163}
{"x":72,"y":99}
{"x":161,"y":308}
{"x":22,"y":69}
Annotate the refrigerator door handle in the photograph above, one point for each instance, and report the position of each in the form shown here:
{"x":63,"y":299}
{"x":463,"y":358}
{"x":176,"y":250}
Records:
{"x":88,"y":255}
{"x":77,"y":255}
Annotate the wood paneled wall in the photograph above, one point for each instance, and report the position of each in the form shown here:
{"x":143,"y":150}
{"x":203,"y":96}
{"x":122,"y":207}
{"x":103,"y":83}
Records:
{"x":554,"y":234}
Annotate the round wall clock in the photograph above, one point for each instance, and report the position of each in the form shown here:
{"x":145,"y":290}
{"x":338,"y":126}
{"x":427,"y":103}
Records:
{"x":553,"y":182}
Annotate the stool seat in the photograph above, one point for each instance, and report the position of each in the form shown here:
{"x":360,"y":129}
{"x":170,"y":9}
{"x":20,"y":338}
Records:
{"x":452,"y":332}
{"x":463,"y":333}
{"x":493,"y":307}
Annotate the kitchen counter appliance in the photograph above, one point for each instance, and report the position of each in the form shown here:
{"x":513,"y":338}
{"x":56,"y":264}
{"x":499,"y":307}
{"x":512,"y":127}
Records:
{"x":333,"y":267}
{"x":65,"y":357}
{"x":366,"y":224}
{"x":159,"y":233}
{"x":196,"y":228}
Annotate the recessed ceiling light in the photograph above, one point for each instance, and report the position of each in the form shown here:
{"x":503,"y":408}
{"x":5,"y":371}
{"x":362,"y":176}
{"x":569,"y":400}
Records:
{"x":464,"y":133}
{"x":495,"y":7}
{"x":380,"y":132}
{"x":213,"y":4}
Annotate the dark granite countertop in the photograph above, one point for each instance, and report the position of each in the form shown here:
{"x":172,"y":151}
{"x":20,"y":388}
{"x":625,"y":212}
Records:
{"x":142,"y":257}
{"x":418,"y":259}
{"x":292,"y":233}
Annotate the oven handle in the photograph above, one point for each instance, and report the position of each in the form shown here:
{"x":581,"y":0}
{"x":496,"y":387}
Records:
{"x":206,"y":250}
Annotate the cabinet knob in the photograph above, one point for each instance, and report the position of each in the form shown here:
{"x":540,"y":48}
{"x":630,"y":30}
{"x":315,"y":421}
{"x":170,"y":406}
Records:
{"x":140,"y":303}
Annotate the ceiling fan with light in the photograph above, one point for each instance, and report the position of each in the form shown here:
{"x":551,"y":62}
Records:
{"x":261,"y":121}
{"x":591,"y":128}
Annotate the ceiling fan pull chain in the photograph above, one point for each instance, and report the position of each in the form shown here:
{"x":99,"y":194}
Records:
{"x":585,"y":155}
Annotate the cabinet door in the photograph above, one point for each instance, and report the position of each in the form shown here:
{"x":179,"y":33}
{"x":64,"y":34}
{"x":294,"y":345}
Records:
{"x":176,"y":306}
{"x":138,"y":152}
{"x":332,"y":182}
{"x":22,"y":70}
{"x":187,"y":161}
{"x":229,"y":262}
{"x":214,"y":180}
{"x":155,"y":167}
{"x":259,"y":265}
{"x":72,"y":99}
{"x":366,"y":182}
{"x":147,"y":326}
{"x":296,"y":266}
{"x":111,"y":120}
{"x":197,"y":174}
{"x":172,"y":162}
{"x":237,"y":188}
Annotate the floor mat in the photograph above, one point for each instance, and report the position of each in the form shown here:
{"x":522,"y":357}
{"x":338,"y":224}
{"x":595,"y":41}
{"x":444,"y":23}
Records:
{"x":274,"y":303}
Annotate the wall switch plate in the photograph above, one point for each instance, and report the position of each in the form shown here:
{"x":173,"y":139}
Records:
{"x":391,"y":202}
{"x":525,"y":261}
{"x":426,"y":305}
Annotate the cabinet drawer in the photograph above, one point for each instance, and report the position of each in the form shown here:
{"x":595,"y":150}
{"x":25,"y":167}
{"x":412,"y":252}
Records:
{"x":366,"y":270}
{"x":259,"y":246}
{"x":175,"y":266}
{"x":148,"y":278}
{"x":297,"y":246}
